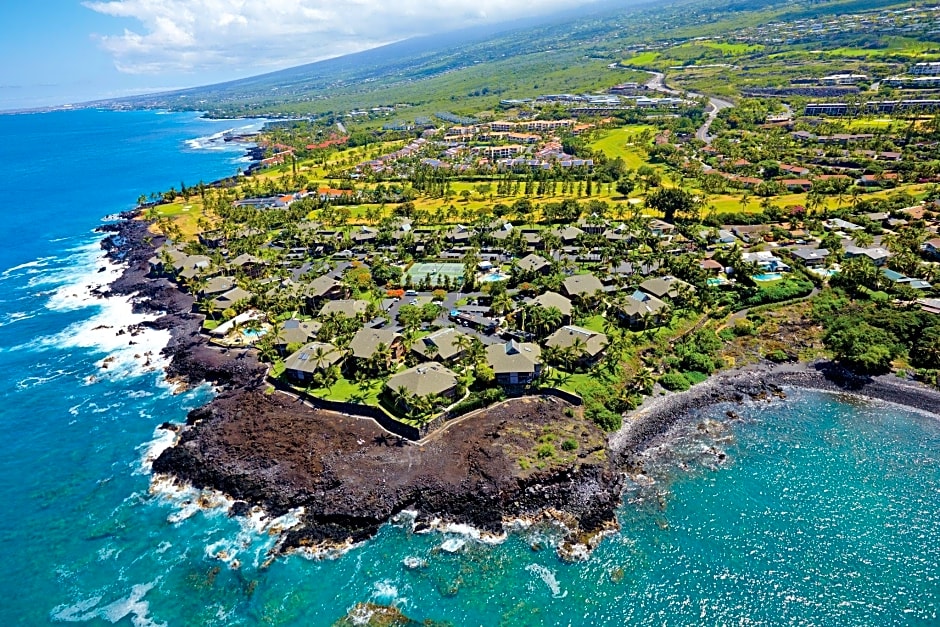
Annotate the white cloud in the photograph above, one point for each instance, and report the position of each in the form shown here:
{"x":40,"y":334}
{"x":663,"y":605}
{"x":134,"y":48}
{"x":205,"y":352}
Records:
{"x":199,"y":35}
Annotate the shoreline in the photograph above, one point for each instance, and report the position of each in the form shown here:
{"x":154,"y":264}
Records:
{"x":349,"y":477}
{"x":264,"y":451}
{"x":764,"y":381}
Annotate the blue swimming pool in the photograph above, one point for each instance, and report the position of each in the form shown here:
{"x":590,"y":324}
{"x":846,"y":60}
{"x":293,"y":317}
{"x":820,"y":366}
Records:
{"x":768,"y":276}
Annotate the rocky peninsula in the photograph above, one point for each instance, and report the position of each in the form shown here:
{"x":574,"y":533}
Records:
{"x":349,"y":476}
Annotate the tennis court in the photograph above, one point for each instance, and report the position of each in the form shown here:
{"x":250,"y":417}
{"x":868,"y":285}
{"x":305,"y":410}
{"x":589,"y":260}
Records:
{"x":438,"y":271}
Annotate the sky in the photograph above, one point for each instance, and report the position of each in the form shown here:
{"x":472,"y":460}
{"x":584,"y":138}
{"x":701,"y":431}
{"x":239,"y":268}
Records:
{"x":69,"y":51}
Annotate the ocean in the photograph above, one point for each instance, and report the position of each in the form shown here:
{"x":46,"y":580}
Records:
{"x":825,"y":510}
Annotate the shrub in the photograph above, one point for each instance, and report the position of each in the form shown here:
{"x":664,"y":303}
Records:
{"x":570,"y":444}
{"x":604,"y":418}
{"x":778,"y":356}
{"x":675,"y":382}
{"x":545,"y":451}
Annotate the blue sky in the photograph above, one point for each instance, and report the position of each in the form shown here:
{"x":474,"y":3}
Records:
{"x":68,"y":51}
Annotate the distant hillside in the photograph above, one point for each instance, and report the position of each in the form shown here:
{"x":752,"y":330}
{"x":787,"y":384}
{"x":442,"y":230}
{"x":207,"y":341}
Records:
{"x":472,"y":69}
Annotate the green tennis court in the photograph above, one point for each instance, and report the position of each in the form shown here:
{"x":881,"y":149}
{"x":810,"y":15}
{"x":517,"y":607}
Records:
{"x":418,"y":271}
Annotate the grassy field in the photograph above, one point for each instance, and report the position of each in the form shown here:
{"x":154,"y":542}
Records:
{"x":619,"y":143}
{"x":733,"y":49}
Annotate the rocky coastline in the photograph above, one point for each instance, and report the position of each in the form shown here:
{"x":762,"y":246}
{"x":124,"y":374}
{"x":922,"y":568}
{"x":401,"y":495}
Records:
{"x":765,"y":382}
{"x":347,"y":477}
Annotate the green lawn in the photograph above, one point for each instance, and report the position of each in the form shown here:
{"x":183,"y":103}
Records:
{"x":641,"y":60}
{"x":594,"y":323}
{"x":570,"y":382}
{"x":615,"y":144}
{"x":351,"y":392}
{"x":733,"y":49}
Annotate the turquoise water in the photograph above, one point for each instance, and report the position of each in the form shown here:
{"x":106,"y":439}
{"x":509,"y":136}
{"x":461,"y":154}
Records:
{"x":494,"y":277}
{"x":824,"y":512}
{"x":768,"y":276}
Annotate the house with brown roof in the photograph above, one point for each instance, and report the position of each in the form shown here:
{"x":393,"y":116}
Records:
{"x":300,"y":366}
{"x":422,"y":381}
{"x":665,"y":286}
{"x":295,"y":332}
{"x":581,"y":285}
{"x":367,"y":342}
{"x":442,"y":345}
{"x":559,"y":302}
{"x":535,"y":264}
{"x":346,"y":307}
{"x":592,"y":343}
{"x":515,"y":363}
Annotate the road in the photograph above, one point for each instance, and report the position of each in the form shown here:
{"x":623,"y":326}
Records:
{"x":658,"y":83}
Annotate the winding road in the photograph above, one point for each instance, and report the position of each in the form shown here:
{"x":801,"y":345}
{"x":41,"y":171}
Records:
{"x":715,"y":104}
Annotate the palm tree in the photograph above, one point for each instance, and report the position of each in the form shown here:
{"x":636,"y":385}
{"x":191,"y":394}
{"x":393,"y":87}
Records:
{"x":863,"y":239}
{"x":501,"y":303}
{"x":643,"y":381}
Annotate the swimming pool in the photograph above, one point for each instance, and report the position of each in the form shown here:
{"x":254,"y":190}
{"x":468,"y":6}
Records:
{"x":767,"y":276}
{"x":493,"y":277}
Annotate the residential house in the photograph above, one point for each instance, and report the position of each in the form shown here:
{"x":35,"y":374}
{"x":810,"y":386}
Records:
{"x":838,"y":224}
{"x":811,"y":257}
{"x":640,"y":309}
{"x":661,"y":228}
{"x":568,"y":234}
{"x":514,"y":363}
{"x":249,"y":264}
{"x":797,"y":185}
{"x":346,"y":307}
{"x":322,"y":288}
{"x":300,"y":366}
{"x":878,"y":255}
{"x":559,"y":302}
{"x":295,"y":332}
{"x":751,"y":233}
{"x":766,"y":260}
{"x":534,"y":264}
{"x":442,"y":345}
{"x":581,"y":285}
{"x":229,"y":298}
{"x":422,"y":381}
{"x":591,"y":343}
{"x":366,"y":342}
{"x":217,"y":285}
{"x":460,"y":234}
{"x":932,"y":247}
{"x":899,"y":279}
{"x":666,"y":286}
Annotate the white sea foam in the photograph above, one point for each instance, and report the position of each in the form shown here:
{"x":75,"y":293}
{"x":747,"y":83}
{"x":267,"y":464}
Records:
{"x":16,"y":316}
{"x":258,"y":531}
{"x":453,"y":545}
{"x":129,"y":352}
{"x":548,"y":577}
{"x":133,"y":605}
{"x":31,"y":267}
{"x":385,"y":592}
{"x":162,"y":440}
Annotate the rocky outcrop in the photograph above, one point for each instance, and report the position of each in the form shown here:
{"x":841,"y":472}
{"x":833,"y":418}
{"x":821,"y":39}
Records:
{"x":350,"y":477}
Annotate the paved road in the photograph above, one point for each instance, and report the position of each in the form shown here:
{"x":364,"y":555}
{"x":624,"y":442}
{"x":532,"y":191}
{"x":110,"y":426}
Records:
{"x":658,"y":83}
